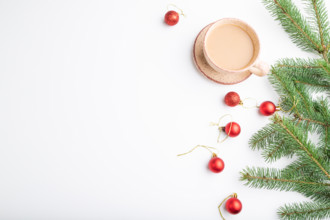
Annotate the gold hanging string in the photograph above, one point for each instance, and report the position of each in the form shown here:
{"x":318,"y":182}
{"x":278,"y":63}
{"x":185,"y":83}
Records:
{"x":234,"y":195}
{"x":203,"y":146}
{"x":295,"y":103}
{"x":220,"y":127}
{"x":247,"y":107}
{"x":181,"y":12}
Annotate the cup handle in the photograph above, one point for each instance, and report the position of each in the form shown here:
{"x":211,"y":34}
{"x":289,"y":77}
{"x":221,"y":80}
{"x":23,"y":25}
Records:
{"x":260,"y":68}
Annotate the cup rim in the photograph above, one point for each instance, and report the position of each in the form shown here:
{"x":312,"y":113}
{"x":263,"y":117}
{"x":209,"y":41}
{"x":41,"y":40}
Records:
{"x":221,"y":68}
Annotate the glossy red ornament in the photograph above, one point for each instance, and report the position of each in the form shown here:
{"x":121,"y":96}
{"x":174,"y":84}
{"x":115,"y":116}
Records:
{"x":216,"y":165}
{"x":232,"y":99}
{"x":233,"y":206}
{"x":234,"y":130}
{"x":171,"y":18}
{"x":267,"y":108}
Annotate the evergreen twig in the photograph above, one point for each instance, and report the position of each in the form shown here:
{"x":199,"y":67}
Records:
{"x":302,"y":146}
{"x":301,"y":210}
{"x":295,"y":24}
{"x":296,"y":81}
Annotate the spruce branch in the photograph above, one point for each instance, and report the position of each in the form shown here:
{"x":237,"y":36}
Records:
{"x":271,"y":178}
{"x":284,"y":76}
{"x":306,"y":210}
{"x":318,"y":122}
{"x":304,"y":98}
{"x":310,"y":84}
{"x":294,"y":24}
{"x":305,"y":171}
{"x":302,"y":68}
{"x":300,"y":142}
{"x":263,"y":137}
{"x":272,"y":153}
{"x":313,"y":121}
{"x":319,"y":18}
{"x":281,"y":87}
{"x":296,"y":81}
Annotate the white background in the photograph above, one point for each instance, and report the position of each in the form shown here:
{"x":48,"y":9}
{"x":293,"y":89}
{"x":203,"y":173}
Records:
{"x":97,"y":99}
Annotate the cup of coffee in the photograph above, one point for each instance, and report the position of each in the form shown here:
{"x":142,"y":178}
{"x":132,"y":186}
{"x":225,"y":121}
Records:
{"x":230,"y":48}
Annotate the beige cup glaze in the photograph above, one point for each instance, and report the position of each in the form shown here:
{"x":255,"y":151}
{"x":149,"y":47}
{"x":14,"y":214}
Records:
{"x":255,"y":66}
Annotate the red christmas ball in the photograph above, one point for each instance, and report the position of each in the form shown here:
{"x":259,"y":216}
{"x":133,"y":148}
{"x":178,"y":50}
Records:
{"x":232,"y":99}
{"x":171,"y":18}
{"x":216,"y":165}
{"x":233,"y":206}
{"x":234,"y":130}
{"x":267,"y":108}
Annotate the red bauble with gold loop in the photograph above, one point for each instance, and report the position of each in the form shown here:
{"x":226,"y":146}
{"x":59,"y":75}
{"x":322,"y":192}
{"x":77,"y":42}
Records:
{"x":216,"y":164}
{"x":233,"y":206}
{"x":171,"y":18}
{"x":232,"y":129}
{"x":267,"y":108}
{"x":232,"y":99}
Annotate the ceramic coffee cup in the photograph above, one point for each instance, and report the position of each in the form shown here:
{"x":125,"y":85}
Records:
{"x":255,"y":66}
{"x":219,"y":73}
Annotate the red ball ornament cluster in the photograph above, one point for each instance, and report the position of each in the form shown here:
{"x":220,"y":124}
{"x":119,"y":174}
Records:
{"x":266,"y":108}
{"x":171,"y":18}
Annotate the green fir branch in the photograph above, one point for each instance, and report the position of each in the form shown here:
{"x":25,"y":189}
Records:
{"x":312,"y":73}
{"x":275,"y":151}
{"x":297,"y":95}
{"x":305,"y":210}
{"x":271,"y":178}
{"x":301,"y":141}
{"x":294,"y":24}
{"x":276,"y":179}
{"x":320,"y":122}
{"x":296,"y":81}
{"x":263,"y":137}
{"x":282,"y":88}
{"x":324,"y":124}
{"x":301,"y":166}
{"x":310,"y":84}
{"x":319,"y":18}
